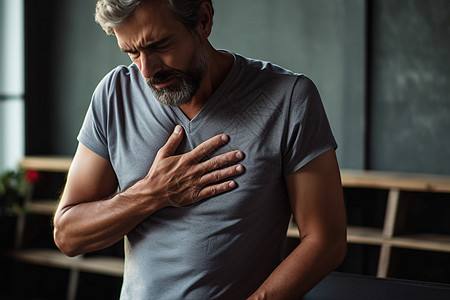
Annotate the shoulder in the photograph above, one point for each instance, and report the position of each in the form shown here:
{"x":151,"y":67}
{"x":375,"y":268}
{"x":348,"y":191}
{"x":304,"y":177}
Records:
{"x":118,"y":85}
{"x":294,"y":89}
{"x":264,"y":68}
{"x":271,"y":76}
{"x":119,"y":76}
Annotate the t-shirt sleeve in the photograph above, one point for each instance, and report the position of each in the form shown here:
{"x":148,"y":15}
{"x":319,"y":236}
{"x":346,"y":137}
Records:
{"x":309,"y":132}
{"x":93,"y":133}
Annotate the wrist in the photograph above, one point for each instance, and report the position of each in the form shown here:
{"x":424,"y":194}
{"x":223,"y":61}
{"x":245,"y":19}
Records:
{"x":142,"y":199}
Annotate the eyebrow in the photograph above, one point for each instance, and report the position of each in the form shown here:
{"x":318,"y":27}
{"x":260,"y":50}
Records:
{"x":150,"y":46}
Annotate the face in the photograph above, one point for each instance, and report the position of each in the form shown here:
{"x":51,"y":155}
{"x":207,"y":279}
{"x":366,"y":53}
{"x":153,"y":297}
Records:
{"x":172,"y":59}
{"x":184,"y":83}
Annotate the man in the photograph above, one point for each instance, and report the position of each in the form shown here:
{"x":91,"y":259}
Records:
{"x":165,"y":131}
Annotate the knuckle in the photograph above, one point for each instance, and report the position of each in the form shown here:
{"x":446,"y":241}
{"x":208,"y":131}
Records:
{"x":203,"y":150}
{"x":183,"y":160}
{"x":213,"y":191}
{"x":193,"y":194}
{"x":160,"y":152}
{"x":217,"y":176}
{"x":214,"y":163}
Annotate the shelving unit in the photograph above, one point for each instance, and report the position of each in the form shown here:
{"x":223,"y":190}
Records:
{"x":392,"y":234}
{"x":52,"y":257}
{"x":389,"y":235}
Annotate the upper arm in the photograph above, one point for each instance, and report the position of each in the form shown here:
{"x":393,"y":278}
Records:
{"x":90,"y":178}
{"x":316,"y":198}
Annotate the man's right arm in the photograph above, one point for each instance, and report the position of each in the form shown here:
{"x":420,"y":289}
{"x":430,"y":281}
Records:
{"x":92,"y":216}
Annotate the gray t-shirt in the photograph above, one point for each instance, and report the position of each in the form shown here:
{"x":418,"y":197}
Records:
{"x":226,"y":246}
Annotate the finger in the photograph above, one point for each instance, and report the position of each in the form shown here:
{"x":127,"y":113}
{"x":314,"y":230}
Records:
{"x":216,"y":189}
{"x":221,"y":160}
{"x":221,"y":174}
{"x":202,"y":150}
{"x":172,"y":143}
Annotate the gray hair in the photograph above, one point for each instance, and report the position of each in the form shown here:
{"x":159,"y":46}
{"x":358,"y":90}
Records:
{"x":110,"y":13}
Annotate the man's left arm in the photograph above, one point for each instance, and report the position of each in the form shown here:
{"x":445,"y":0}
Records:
{"x":316,"y":198}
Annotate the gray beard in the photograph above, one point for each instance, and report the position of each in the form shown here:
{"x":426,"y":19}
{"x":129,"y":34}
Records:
{"x":174,"y":96}
{"x":189,"y":81}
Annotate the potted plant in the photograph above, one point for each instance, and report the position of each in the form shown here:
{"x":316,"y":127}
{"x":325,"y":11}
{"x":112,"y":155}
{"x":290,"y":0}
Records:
{"x":15,"y":186}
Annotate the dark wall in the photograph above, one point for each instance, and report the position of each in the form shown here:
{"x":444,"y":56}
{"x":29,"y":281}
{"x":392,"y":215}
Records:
{"x":39,"y":39}
{"x":322,"y":39}
{"x":410,"y":86}
{"x":388,"y":103}
{"x":67,"y":55}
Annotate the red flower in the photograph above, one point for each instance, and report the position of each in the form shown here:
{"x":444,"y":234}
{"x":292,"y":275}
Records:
{"x":31,"y":176}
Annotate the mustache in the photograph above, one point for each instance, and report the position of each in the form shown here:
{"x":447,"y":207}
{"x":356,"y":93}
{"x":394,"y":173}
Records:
{"x":162,"y":76}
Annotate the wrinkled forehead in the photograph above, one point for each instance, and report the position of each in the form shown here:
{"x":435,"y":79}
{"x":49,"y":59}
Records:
{"x":150,"y":21}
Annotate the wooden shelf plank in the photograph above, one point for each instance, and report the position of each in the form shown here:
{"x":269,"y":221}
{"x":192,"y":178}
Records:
{"x":44,"y":163}
{"x":402,"y":181}
{"x":428,"y":242}
{"x":355,"y":234}
{"x":46,"y":257}
{"x":112,"y":266}
{"x":365,"y":235}
{"x":374,"y":236}
{"x":292,"y":231}
{"x":350,"y":178}
{"x":43,"y":207}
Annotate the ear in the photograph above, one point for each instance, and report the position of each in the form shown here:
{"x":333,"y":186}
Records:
{"x":205,"y":21}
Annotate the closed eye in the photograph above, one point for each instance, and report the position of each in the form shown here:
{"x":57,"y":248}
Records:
{"x":162,"y":45}
{"x":159,"y":46}
{"x":133,"y":54}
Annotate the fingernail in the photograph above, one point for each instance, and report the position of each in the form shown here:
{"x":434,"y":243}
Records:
{"x":177,"y":129}
{"x":232,"y":184}
{"x":239,"y":168}
{"x":239,"y":155}
{"x":224,"y":137}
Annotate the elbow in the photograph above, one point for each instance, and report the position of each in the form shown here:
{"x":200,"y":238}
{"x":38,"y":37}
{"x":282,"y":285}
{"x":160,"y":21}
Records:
{"x":62,"y":241}
{"x":335,"y":251}
{"x":63,"y":245}
{"x":341,"y":252}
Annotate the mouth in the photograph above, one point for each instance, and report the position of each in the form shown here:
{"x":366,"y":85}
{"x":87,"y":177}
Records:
{"x":160,"y":84}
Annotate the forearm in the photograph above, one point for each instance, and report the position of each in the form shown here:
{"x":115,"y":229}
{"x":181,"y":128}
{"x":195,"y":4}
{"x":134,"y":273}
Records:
{"x":302,"y":269}
{"x":94,"y":225}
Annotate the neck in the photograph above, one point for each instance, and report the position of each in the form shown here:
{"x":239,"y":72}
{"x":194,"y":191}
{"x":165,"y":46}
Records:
{"x":220,"y":64}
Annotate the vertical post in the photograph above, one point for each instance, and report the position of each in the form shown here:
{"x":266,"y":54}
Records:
{"x":388,"y":231}
{"x":72,"y":285}
{"x":391,"y":213}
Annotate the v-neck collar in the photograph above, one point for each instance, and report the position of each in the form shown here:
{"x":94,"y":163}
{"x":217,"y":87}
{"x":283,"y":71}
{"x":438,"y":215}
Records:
{"x":190,"y":125}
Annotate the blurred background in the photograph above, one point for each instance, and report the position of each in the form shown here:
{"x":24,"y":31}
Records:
{"x":382,"y":68}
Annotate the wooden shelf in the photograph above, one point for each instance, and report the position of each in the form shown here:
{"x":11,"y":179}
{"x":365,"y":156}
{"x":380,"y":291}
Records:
{"x":401,"y":181}
{"x":387,"y":237}
{"x":51,"y":257}
{"x":355,"y":234}
{"x":41,"y":207}
{"x":374,"y":236}
{"x":428,"y":242}
{"x":54,"y":258}
{"x":45,"y":257}
{"x":365,"y":235}
{"x":47,"y":164}
{"x":391,"y":236}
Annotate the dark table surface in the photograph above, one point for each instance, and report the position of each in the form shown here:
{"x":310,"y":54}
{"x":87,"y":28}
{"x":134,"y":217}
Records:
{"x":340,"y":286}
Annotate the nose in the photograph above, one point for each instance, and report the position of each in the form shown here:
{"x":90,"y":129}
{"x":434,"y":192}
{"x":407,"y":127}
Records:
{"x":150,"y":64}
